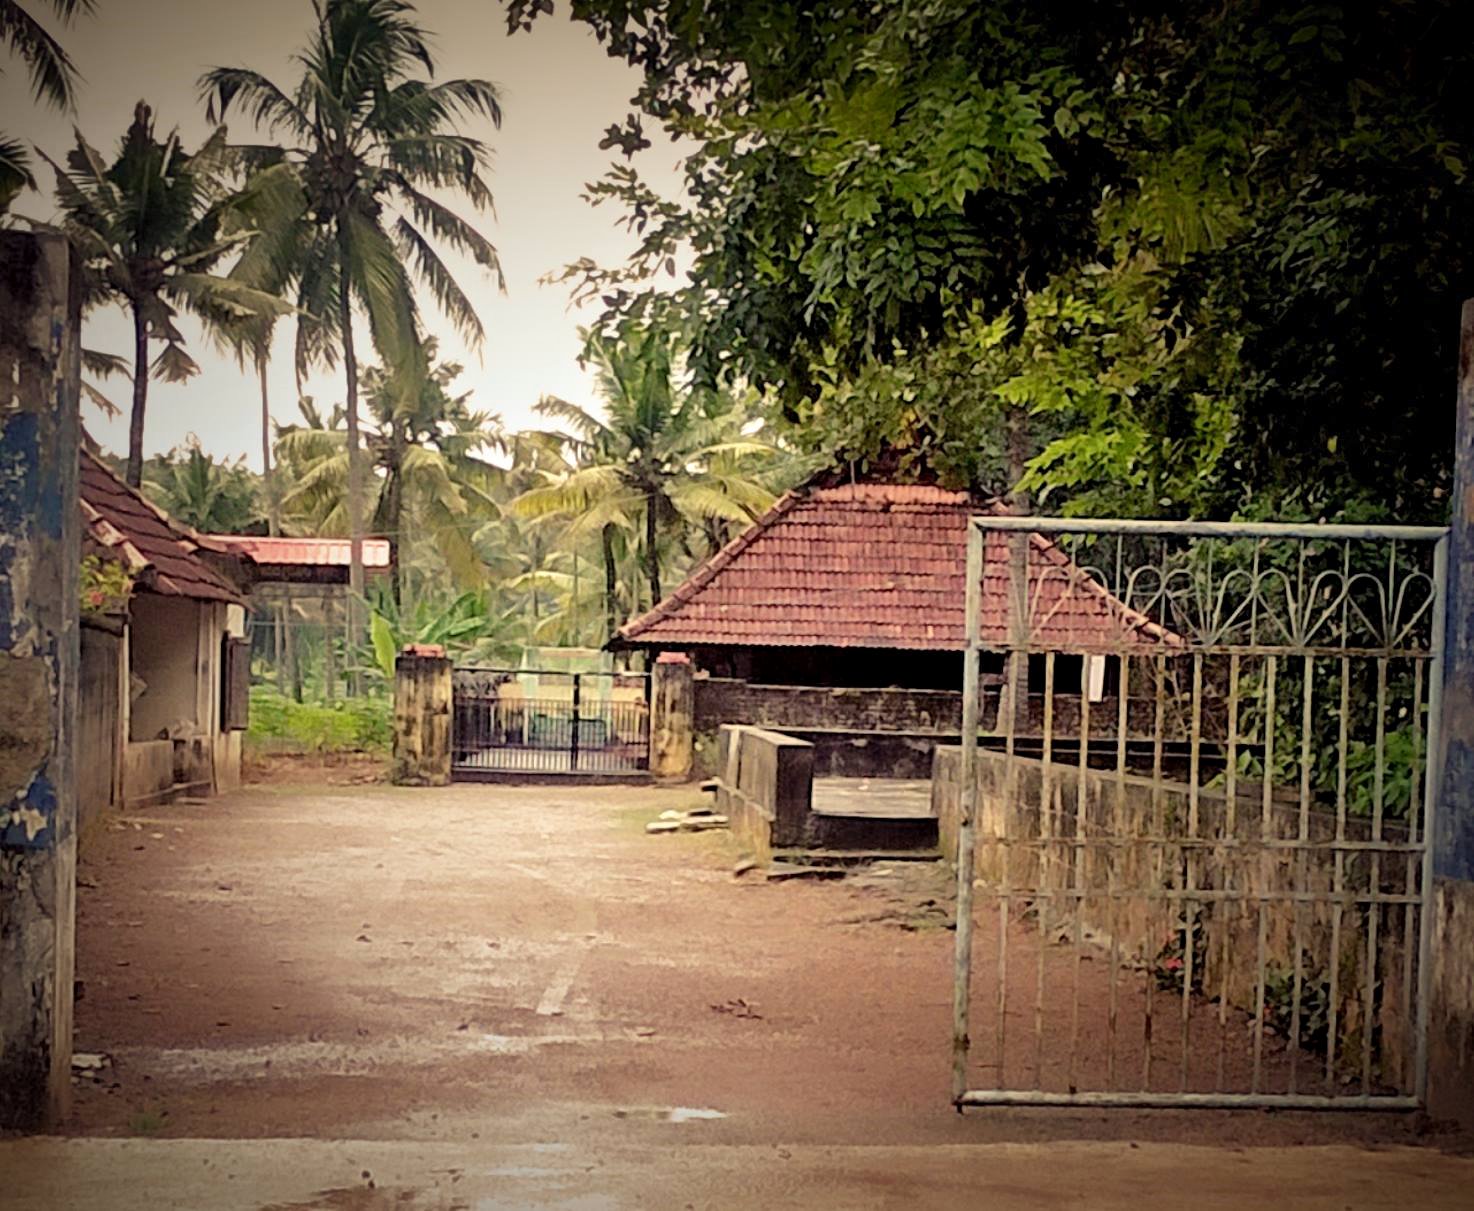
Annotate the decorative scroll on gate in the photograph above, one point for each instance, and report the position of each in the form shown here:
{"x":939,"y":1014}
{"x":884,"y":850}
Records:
{"x":1192,"y":814}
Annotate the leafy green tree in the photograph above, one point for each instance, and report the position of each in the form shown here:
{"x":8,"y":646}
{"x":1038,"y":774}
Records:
{"x":150,"y":227}
{"x":367,"y":139}
{"x":1168,"y":260}
{"x":53,"y":80}
{"x":663,"y":458}
{"x":214,"y":497}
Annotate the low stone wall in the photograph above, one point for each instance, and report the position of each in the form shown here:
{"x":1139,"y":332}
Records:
{"x":148,"y":771}
{"x":765,"y":787}
{"x":802,"y":708}
{"x":1023,"y":802}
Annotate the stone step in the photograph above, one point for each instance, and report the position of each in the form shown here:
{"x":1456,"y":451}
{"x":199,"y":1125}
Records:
{"x":871,"y":832}
{"x":853,"y":857}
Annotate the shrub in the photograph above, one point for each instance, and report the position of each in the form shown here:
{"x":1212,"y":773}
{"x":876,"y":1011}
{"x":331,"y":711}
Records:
{"x":354,"y":725}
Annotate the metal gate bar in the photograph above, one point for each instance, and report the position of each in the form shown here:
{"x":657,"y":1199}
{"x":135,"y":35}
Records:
{"x":1299,"y":668}
{"x":572,"y":723}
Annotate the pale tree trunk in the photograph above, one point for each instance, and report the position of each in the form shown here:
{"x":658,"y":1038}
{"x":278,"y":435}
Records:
{"x":355,"y":465}
{"x":1018,"y":453}
{"x":134,"y":472}
{"x":279,"y":629}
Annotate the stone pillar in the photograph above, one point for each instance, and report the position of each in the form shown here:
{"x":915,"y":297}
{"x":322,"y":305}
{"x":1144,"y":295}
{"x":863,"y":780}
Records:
{"x":672,"y":717}
{"x":422,"y":715}
{"x":1451,"y":1026}
{"x":40,"y":556}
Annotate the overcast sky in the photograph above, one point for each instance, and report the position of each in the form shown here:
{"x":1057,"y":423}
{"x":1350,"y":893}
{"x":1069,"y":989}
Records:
{"x":559,"y":92}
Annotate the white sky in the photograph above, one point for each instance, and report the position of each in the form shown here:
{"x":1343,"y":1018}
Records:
{"x":559,"y":92}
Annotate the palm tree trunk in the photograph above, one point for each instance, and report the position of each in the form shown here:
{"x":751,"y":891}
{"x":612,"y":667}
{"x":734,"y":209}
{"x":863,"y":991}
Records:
{"x":134,"y":473}
{"x":652,"y":556}
{"x":268,"y":484}
{"x":273,"y":511}
{"x":355,"y":460}
{"x":611,"y":612}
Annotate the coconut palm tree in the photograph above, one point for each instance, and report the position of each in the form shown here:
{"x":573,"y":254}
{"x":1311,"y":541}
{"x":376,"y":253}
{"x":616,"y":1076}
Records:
{"x":212,"y":497}
{"x":663,"y":459}
{"x":149,"y":228}
{"x":53,"y":80}
{"x":366,"y":137}
{"x":426,"y":446}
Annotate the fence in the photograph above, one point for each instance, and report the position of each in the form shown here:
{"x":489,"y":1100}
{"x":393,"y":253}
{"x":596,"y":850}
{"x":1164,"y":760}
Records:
{"x":1224,"y":904}
{"x":531,"y":721}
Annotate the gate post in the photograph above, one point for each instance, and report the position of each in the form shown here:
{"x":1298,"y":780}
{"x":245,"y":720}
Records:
{"x":422,"y":711}
{"x":1450,"y":1041}
{"x":672,"y":716}
{"x":40,"y":554}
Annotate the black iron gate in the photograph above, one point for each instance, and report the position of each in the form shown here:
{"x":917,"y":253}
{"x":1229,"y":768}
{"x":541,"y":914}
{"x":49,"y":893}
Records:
{"x":537,"y":721}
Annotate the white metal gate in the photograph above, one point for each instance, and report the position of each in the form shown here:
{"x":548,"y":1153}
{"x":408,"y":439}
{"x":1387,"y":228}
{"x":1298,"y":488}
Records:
{"x":1193,"y":814}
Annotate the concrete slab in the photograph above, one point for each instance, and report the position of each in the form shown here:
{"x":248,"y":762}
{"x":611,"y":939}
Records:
{"x":357,"y":1175}
{"x":889,"y":798}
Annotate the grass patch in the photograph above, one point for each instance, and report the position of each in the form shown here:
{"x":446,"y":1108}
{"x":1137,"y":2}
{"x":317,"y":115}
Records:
{"x":148,"y":1122}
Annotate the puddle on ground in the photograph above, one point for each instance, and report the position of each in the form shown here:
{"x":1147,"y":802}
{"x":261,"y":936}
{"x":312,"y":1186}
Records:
{"x":671,"y":1114}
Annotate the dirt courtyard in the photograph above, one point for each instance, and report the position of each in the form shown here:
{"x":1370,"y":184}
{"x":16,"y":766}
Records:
{"x":519,"y":965}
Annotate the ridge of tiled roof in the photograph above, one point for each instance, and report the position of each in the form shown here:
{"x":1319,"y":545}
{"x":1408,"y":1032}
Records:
{"x":157,"y":550}
{"x":878,"y":565}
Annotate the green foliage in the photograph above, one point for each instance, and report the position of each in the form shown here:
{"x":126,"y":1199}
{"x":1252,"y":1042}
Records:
{"x":466,"y":627}
{"x":355,"y":725}
{"x":53,"y":79}
{"x":209,"y":495}
{"x":1195,"y":257}
{"x":1314,"y":1006}
{"x":665,"y":460}
{"x":104,"y":585}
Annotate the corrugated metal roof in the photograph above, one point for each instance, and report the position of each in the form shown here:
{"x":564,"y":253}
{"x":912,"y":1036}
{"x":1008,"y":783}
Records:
{"x":158,"y":551}
{"x":876,"y":565}
{"x":305,"y":552}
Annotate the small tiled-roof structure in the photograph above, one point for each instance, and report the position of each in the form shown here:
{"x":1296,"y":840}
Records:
{"x":878,"y":565}
{"x":160,"y":554}
{"x":282,"y":559}
{"x":330,"y":552}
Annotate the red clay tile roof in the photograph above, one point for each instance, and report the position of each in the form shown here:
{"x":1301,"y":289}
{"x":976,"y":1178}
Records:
{"x":877,"y":566}
{"x":157,"y":551}
{"x":306,"y":552}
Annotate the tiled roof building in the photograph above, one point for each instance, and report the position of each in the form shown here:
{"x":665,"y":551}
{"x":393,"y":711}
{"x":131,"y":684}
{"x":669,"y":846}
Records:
{"x":877,"y":565}
{"x":160,"y":554}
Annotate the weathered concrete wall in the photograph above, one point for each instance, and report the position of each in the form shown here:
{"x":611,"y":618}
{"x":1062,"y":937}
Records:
{"x":164,"y":658}
{"x":227,"y":620}
{"x":722,"y":700}
{"x":765,"y":788}
{"x":1024,"y":801}
{"x":1451,"y":1034}
{"x":422,"y":717}
{"x":101,"y":713}
{"x":892,"y":732}
{"x":39,"y":559}
{"x":672,"y":706}
{"x":148,"y":771}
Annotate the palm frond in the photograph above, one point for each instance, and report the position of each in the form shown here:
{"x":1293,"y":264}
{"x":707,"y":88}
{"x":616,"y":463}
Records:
{"x":53,"y":74}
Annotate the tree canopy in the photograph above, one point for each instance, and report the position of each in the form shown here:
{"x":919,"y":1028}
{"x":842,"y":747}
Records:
{"x":1210,"y":254}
